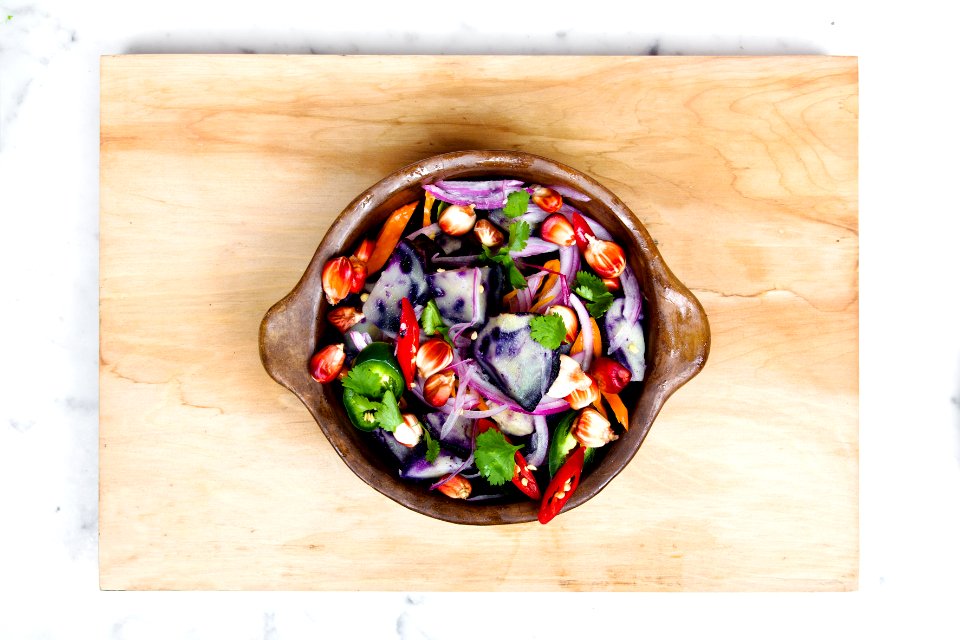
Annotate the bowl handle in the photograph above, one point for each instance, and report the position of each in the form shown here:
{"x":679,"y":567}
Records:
{"x":288,"y":333}
{"x":683,"y":323}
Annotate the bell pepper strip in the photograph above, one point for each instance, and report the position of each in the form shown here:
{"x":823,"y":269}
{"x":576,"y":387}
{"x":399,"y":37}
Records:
{"x":389,"y":237}
{"x":619,"y":409}
{"x":428,"y":201}
{"x":408,"y":342}
{"x":561,"y":486}
{"x":582,"y":232}
{"x":523,"y":477}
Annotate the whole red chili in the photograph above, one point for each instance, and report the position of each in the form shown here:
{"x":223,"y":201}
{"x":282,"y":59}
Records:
{"x":408,"y":342}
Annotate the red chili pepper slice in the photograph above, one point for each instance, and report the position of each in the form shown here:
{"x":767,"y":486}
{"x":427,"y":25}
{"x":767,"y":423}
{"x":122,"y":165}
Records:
{"x":523,"y":478}
{"x":581,"y":231}
{"x":483,"y":424}
{"x":408,"y":342}
{"x":561,"y":486}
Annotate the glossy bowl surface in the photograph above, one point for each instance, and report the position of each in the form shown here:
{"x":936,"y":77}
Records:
{"x":676,"y":328}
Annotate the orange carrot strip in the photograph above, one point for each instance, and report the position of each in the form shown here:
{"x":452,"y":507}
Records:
{"x":578,"y":343}
{"x":548,"y":282}
{"x":619,"y":409}
{"x":428,"y":200}
{"x":389,"y":237}
{"x":598,"y":404}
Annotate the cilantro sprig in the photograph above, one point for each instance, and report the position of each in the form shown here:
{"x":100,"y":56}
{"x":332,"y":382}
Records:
{"x":594,"y":293}
{"x":433,"y":446}
{"x":494,"y":457}
{"x":363,"y":384}
{"x":388,"y":414}
{"x":517,"y":241}
{"x":516,"y":204}
{"x":548,"y":330}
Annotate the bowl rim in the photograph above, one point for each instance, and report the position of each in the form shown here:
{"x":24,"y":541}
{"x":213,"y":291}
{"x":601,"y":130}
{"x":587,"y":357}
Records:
{"x":290,"y":328}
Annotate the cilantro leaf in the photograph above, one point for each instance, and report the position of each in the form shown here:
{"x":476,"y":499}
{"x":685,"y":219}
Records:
{"x":548,"y":330}
{"x":594,"y":292}
{"x":364,"y":385}
{"x":494,"y":457}
{"x":519,"y":234}
{"x":517,"y":281}
{"x":516,"y":204}
{"x":433,"y":446}
{"x":388,"y":415}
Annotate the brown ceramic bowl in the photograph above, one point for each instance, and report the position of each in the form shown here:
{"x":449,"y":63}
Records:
{"x":677,"y":334}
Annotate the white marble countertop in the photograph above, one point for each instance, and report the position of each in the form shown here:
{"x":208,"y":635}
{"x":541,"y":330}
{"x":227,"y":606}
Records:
{"x":910,"y":381}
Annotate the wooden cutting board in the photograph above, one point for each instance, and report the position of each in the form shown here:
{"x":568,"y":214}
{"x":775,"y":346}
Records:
{"x":219,"y":176}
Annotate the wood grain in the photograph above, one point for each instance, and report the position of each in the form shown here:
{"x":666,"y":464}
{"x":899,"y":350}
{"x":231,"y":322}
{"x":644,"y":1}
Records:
{"x":219,"y":176}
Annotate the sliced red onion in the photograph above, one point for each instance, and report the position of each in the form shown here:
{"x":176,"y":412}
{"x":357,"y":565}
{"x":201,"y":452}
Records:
{"x":446,"y":408}
{"x":490,"y":194}
{"x":534,"y":216}
{"x":550,"y":408}
{"x":360,"y":340}
{"x":631,"y":293}
{"x":457,"y":331}
{"x":631,"y":308}
{"x":429,"y":229}
{"x":479,"y":186}
{"x":569,"y":192}
{"x":493,"y":394}
{"x":457,"y":261}
{"x":535,"y":247}
{"x":457,"y":405}
{"x":460,"y":366}
{"x":539,"y":442}
{"x":476,"y":415}
{"x":585,"y":357}
{"x":569,"y":263}
{"x":524,"y":297}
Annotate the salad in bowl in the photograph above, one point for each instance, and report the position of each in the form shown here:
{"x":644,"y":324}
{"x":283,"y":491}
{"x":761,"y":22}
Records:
{"x":483,"y":340}
{"x":486,"y":337}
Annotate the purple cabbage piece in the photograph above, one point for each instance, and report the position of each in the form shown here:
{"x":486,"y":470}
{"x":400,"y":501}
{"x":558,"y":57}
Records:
{"x":420,"y":469}
{"x":454,"y":293}
{"x":515,"y":362}
{"x":402,"y":455}
{"x":459,"y":436}
{"x":402,"y":277}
